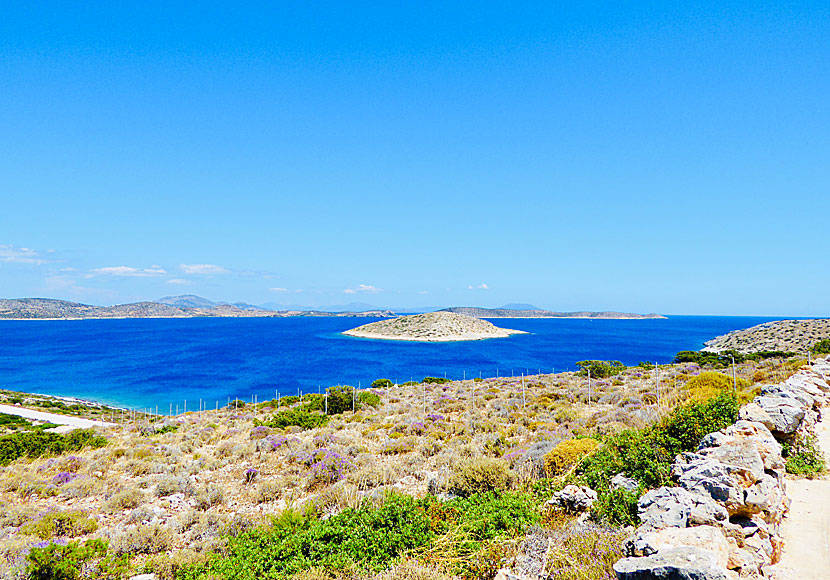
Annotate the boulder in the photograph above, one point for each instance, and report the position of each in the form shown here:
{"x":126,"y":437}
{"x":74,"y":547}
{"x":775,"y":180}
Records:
{"x":709,"y":477}
{"x":573,"y":499}
{"x":648,"y":542}
{"x":746,"y":444}
{"x":786,"y":414}
{"x":665,"y":507}
{"x":789,"y":392}
{"x":755,"y":413}
{"x":682,"y":563}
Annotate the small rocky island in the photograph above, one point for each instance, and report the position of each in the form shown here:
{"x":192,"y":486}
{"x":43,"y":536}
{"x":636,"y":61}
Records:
{"x":432,"y":327}
{"x":784,"y":335}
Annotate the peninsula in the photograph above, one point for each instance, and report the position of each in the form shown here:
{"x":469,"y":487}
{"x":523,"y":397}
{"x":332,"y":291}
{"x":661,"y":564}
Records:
{"x":783,"y":335}
{"x":438,"y":326}
{"x":536,"y":313}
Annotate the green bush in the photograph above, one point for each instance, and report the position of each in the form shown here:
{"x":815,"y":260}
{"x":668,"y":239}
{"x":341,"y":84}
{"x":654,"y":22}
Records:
{"x":368,"y":398}
{"x":56,"y":562}
{"x":646,"y":455}
{"x":821,"y":347}
{"x":368,"y":538}
{"x":299,"y":416}
{"x":435,"y":380}
{"x":39,"y":443}
{"x":600,"y":369}
{"x":803,"y":456}
{"x":725,"y":357}
{"x":381,"y":384}
{"x":479,"y":475}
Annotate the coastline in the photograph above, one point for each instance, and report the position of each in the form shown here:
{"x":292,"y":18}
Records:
{"x":411,"y":338}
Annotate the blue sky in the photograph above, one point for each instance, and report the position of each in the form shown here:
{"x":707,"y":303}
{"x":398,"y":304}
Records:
{"x":644,"y":157}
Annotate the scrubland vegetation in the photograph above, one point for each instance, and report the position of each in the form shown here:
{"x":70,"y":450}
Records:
{"x":441,"y":479}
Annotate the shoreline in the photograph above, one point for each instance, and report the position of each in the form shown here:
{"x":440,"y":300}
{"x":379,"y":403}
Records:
{"x":410,"y":338}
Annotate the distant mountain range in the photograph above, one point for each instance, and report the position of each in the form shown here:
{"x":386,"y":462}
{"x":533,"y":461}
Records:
{"x":188,"y":306}
{"x":192,"y":306}
{"x":536,"y":313}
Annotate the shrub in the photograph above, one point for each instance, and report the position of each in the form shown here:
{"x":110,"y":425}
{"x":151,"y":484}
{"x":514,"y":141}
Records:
{"x":617,"y":506}
{"x":58,"y":562}
{"x":479,"y":475}
{"x":803,"y":456}
{"x":368,"y":538}
{"x":436,"y":380}
{"x":821,"y":347}
{"x":600,"y":369}
{"x":143,"y":539}
{"x":584,"y":552}
{"x":567,"y":453}
{"x":710,"y":384}
{"x":209,"y":496}
{"x":368,"y":398}
{"x":40,"y":443}
{"x":125,"y":499}
{"x":68,"y":524}
{"x":381,"y":384}
{"x":300,"y":417}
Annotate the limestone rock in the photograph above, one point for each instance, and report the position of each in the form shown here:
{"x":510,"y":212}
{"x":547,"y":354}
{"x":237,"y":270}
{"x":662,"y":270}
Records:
{"x":665,"y":507}
{"x":648,"y":542}
{"x":573,"y":499}
{"x":786,"y":414}
{"x":682,"y":563}
{"x":754,"y":412}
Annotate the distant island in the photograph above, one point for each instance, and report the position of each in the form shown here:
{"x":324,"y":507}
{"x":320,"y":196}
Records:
{"x":438,"y":326}
{"x":536,"y":313}
{"x":783,"y":335}
{"x":169,"y":307}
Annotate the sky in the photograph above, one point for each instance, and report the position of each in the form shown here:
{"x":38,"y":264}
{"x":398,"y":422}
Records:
{"x":643,"y":157}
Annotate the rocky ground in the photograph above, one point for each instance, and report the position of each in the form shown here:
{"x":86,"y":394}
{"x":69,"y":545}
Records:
{"x":724,"y":518}
{"x":782,"y":335}
{"x":432,"y":327}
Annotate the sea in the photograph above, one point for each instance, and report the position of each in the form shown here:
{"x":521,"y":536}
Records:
{"x":169,"y":364}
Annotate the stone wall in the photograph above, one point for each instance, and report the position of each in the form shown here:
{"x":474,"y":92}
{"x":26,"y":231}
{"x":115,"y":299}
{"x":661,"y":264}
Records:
{"x":722,"y":519}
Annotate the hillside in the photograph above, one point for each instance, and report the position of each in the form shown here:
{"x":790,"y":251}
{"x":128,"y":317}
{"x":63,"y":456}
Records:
{"x":783,"y":335}
{"x":511,"y":313}
{"x":432,"y":327}
{"x":172,"y":492}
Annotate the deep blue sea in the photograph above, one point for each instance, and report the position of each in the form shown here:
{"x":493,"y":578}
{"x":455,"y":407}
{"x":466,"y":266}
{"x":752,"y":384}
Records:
{"x":148,"y":363}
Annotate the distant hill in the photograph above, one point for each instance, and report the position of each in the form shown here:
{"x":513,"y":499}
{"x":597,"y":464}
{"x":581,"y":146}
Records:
{"x":193,"y":301}
{"x":48,"y":308}
{"x":511,"y":313}
{"x":519,"y":306}
{"x":187,"y":301}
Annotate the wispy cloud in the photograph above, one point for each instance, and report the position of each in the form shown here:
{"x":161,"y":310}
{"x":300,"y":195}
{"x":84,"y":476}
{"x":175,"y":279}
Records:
{"x":178,"y":281}
{"x":363,"y":289}
{"x":13,"y":254}
{"x":128,"y":272}
{"x":278,"y":289}
{"x":481,"y":286}
{"x":203,"y":269}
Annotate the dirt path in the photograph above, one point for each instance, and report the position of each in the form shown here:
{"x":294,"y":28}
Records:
{"x":806,"y":529}
{"x":52,"y":417}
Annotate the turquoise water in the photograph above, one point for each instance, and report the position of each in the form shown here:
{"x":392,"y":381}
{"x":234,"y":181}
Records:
{"x":149,"y":363}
